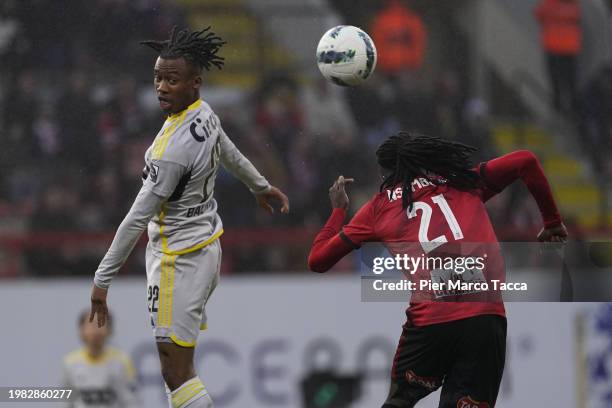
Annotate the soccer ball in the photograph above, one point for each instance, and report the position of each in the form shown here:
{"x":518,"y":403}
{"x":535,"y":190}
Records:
{"x":346,"y":55}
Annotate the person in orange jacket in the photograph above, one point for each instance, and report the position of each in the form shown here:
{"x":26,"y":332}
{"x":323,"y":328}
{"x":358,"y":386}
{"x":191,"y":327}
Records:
{"x":562,"y":41}
{"x":400,"y":37}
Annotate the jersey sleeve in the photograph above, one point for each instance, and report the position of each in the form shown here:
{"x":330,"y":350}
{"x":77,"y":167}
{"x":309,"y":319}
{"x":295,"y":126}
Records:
{"x":500,"y":172}
{"x":145,"y":206}
{"x":334,"y":241}
{"x":237,"y":164}
{"x":163,"y":177}
{"x":361,"y":228}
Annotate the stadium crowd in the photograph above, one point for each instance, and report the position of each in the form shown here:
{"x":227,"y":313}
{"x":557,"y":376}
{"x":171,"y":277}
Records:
{"x":78,"y":112}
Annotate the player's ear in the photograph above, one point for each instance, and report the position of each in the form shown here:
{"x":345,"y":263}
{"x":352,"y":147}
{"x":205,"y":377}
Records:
{"x":197,"y":81}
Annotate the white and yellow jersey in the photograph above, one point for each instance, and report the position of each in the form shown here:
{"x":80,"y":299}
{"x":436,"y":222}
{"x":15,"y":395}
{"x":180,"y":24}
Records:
{"x":108,"y":381}
{"x":181,"y":164}
{"x":175,"y":203}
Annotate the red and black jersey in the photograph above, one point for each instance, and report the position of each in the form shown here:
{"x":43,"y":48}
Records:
{"x":440,"y":215}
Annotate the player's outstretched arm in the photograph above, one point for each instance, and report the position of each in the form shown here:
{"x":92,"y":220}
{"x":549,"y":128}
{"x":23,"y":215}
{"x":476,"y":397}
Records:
{"x":236,"y":163}
{"x":153,"y":193}
{"x":498,"y":173}
{"x":146,"y":205}
{"x":329,"y":246}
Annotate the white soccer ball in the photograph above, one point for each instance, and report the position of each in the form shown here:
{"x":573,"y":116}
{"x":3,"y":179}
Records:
{"x":346,"y":55}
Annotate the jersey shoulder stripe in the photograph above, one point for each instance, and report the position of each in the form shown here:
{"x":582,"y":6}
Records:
{"x":74,"y":357}
{"x":174,"y":124}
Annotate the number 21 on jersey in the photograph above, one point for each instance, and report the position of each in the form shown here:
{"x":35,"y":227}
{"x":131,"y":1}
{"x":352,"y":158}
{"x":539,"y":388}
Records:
{"x":426,"y":213}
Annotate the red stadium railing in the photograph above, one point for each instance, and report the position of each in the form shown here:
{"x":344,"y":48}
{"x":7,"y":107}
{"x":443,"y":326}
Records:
{"x":14,"y":247}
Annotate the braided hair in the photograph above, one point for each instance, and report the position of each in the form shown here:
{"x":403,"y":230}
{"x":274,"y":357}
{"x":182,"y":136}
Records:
{"x":198,"y":47}
{"x":408,"y":156}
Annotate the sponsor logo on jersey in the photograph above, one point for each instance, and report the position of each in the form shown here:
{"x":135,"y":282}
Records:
{"x":431,"y":383}
{"x":468,"y":402}
{"x":417,"y":184}
{"x":154,"y":172}
{"x":199,"y":210}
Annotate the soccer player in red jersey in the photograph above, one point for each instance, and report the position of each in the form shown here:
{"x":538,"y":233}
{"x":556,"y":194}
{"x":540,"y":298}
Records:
{"x":433,"y":196}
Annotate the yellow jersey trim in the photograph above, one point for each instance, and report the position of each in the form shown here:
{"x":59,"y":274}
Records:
{"x":164,"y":239}
{"x":73,"y":356}
{"x":181,"y":342}
{"x":108,"y":354}
{"x":92,"y":360}
{"x":201,"y":245}
{"x":191,"y":107}
{"x":162,"y":297}
{"x":161,"y":142}
{"x":166,"y":287}
{"x":185,"y":394}
{"x":203,"y":326}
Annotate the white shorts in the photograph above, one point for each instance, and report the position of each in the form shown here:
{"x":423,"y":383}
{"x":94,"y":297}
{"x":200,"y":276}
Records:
{"x":178,"y":287}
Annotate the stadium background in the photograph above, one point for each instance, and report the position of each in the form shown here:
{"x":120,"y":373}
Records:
{"x":78,"y":110}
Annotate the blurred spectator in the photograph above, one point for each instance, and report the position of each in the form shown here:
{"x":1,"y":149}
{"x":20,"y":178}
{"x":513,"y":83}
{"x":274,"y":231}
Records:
{"x":77,"y":120}
{"x":46,"y":133}
{"x":19,"y":114}
{"x":562,"y":41}
{"x":376,"y":118}
{"x":98,"y":372}
{"x":449,"y":100}
{"x":400,"y":38}
{"x":279,"y":114}
{"x":414,"y":105}
{"x":325,"y":111}
{"x":475,"y":129}
{"x":596,"y":123}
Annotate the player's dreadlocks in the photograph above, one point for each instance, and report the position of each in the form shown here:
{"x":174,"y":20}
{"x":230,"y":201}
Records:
{"x":408,"y":155}
{"x":197,"y":47}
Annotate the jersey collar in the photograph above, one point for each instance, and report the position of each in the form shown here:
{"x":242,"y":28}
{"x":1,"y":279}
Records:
{"x":191,"y":107}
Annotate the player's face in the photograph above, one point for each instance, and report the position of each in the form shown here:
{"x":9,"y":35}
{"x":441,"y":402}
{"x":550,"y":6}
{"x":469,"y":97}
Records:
{"x":92,"y":335}
{"x":177,"y":84}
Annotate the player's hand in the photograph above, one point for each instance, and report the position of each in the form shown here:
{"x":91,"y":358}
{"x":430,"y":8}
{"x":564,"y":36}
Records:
{"x":337,"y":193}
{"x":98,"y":305}
{"x":558,"y":233}
{"x":273,"y":194}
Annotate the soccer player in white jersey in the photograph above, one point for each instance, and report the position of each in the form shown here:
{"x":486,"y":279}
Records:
{"x":100,"y":376}
{"x":176,"y":204}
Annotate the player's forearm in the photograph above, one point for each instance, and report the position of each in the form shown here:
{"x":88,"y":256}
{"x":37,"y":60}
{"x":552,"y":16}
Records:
{"x":244,"y":170}
{"x":328,"y":248}
{"x":145,"y":206}
{"x":125,"y":239}
{"x":534,"y":178}
{"x":524,"y":165}
{"x":236,"y":163}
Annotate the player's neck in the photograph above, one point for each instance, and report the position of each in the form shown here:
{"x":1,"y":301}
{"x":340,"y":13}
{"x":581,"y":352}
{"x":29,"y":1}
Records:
{"x":190,"y":104}
{"x":95,"y":353}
